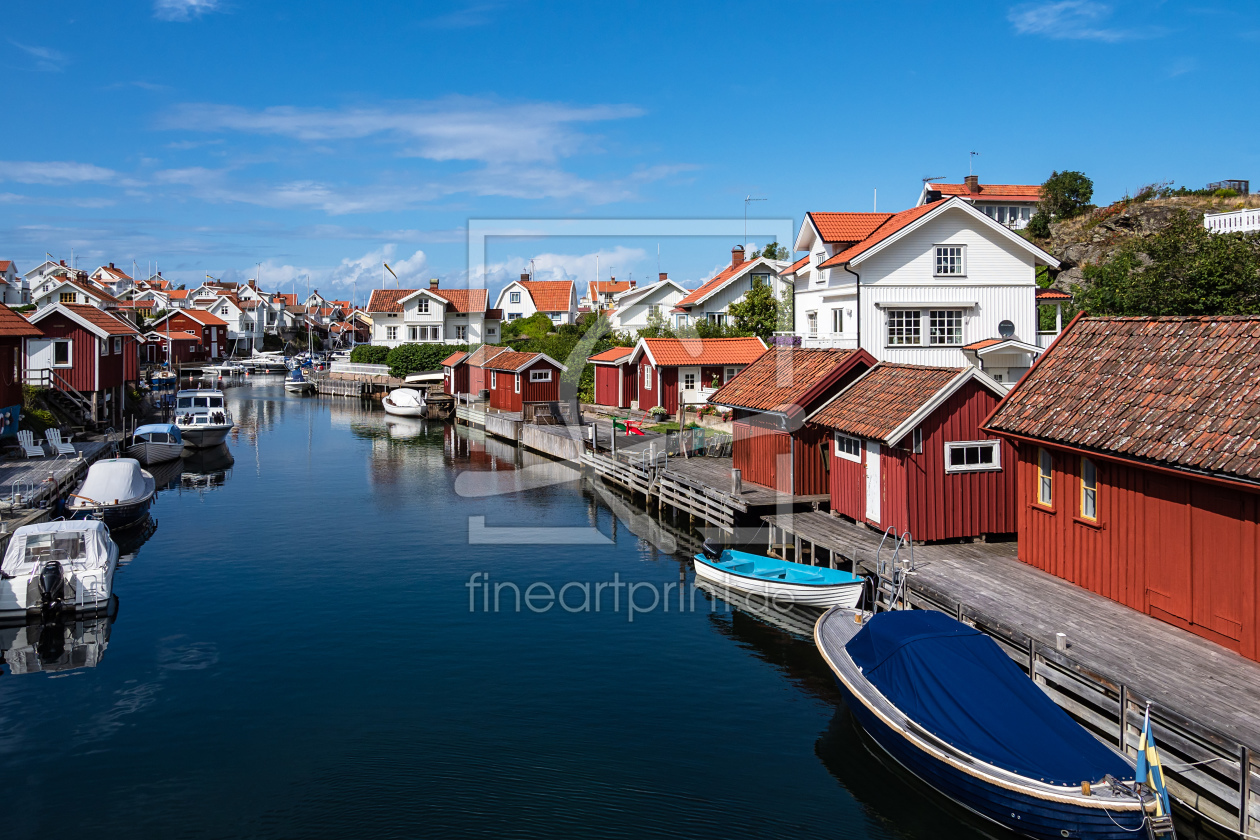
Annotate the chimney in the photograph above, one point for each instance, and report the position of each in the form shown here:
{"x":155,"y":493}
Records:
{"x":664,"y":275}
{"x":632,"y":282}
{"x":433,"y":283}
{"x":159,"y":274}
{"x":63,"y":262}
{"x":111,"y":265}
{"x":252,"y":284}
{"x":737,"y":255}
{"x":973,"y":183}
{"x":524,"y":277}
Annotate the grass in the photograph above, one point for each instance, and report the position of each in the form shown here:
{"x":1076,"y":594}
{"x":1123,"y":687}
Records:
{"x":662,"y":428}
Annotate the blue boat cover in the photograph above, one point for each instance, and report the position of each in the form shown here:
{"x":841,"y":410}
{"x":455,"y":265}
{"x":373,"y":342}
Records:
{"x":956,"y":683}
{"x":170,"y":428}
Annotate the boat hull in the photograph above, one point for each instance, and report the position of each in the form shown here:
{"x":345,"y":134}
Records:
{"x":420,"y":411}
{"x":114,"y":516}
{"x":783,"y":593}
{"x":148,"y":452}
{"x":204,"y":437}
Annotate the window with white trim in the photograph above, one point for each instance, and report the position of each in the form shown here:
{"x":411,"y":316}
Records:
{"x":540,"y":375}
{"x":422,"y":306}
{"x":904,"y":327}
{"x":945,"y":327}
{"x":413,"y":333}
{"x":514,"y":297}
{"x":461,"y":332}
{"x":973,"y":456}
{"x":61,"y":352}
{"x":647,"y":378}
{"x":916,"y":440}
{"x":512,"y":316}
{"x":391,"y":333}
{"x":811,"y":321}
{"x":117,"y":346}
{"x":494,"y":380}
{"x":949,"y":260}
{"x":1089,"y":489}
{"x":848,"y":448}
{"x":517,"y":377}
{"x":837,"y":321}
{"x":730,"y":374}
{"x":491,"y":332}
{"x":689,"y":381}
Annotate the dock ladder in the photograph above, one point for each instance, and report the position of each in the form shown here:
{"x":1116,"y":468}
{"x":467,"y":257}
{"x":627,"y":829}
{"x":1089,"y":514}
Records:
{"x":892,"y":568}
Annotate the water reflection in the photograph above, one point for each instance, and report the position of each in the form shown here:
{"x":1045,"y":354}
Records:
{"x":207,"y":468}
{"x":130,"y":540}
{"x":55,"y":644}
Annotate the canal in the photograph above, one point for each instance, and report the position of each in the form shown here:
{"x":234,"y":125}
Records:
{"x":308,"y":646}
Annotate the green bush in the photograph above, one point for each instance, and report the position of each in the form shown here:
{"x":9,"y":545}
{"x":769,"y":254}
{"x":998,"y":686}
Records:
{"x":406,"y":359}
{"x":1039,"y":226}
{"x":535,"y":326}
{"x":369,"y":354}
{"x":1066,"y":194}
{"x":1226,"y":192}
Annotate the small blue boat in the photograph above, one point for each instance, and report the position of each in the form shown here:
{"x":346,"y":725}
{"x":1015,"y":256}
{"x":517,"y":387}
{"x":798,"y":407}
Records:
{"x":154,"y":443}
{"x":950,"y":706}
{"x":783,"y":582}
{"x":297,"y":383}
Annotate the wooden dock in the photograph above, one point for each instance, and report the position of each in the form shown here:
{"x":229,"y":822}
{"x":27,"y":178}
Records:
{"x":1204,"y":698}
{"x":30,"y":488}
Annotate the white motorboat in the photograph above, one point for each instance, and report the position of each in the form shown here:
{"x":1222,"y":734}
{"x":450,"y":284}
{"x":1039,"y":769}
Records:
{"x":116,"y":491}
{"x":154,"y":443}
{"x":405,"y":402}
{"x":63,"y":566}
{"x":297,"y":383}
{"x":202,"y":417}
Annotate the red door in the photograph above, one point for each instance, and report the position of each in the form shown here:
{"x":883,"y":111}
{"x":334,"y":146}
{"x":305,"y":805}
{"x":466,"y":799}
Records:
{"x":1218,"y":551}
{"x":1167,"y":548}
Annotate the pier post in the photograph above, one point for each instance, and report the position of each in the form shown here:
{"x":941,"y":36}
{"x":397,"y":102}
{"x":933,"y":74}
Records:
{"x":737,"y":487}
{"x":796,"y":549}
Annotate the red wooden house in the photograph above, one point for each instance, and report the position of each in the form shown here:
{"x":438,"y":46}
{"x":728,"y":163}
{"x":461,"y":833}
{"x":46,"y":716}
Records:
{"x":455,"y":375}
{"x":180,"y":347}
{"x":1139,"y":468}
{"x":666,"y":366}
{"x":616,"y":379}
{"x":908,"y":453}
{"x":14,"y":331}
{"x":518,"y":378}
{"x":770,"y":400}
{"x":88,"y":350}
{"x":469,"y":374}
{"x":212,"y":329}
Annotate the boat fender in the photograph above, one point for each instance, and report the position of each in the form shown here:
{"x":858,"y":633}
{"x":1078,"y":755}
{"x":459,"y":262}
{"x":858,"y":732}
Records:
{"x":51,"y":583}
{"x":1085,"y":788}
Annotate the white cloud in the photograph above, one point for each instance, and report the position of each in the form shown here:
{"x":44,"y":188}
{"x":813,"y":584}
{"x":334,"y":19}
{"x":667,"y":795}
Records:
{"x":53,"y":172}
{"x":183,"y":10}
{"x":47,"y":59}
{"x":1073,"y":20}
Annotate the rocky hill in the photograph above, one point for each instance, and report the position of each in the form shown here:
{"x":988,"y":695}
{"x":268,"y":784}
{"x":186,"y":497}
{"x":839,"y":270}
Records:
{"x":1092,"y":238}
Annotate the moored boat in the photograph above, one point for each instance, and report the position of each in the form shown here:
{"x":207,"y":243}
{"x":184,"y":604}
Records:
{"x":781,"y":581}
{"x":202,"y":417}
{"x":405,"y":402}
{"x":155,"y":443}
{"x":949,"y":705}
{"x":62,"y":566}
{"x":297,"y":383}
{"x":116,"y":491}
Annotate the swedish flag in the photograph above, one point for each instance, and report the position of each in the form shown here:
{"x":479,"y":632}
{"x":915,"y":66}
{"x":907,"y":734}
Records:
{"x":1149,"y":770}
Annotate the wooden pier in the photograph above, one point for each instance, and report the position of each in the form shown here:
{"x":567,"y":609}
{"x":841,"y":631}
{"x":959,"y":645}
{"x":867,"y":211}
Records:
{"x":1204,"y":698}
{"x":31,"y":487}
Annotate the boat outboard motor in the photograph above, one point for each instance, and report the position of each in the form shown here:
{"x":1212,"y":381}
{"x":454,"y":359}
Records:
{"x":711,"y":549}
{"x":51,"y":644}
{"x":51,"y":585}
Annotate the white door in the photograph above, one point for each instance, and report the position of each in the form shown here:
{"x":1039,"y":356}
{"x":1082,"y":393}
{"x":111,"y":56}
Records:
{"x":872,"y":481}
{"x":39,"y":355}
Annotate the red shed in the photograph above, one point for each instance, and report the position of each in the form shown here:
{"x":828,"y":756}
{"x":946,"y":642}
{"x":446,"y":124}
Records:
{"x":455,"y":375}
{"x":771,"y":399}
{"x":616,"y":380}
{"x":211,"y":328}
{"x":88,"y":350}
{"x":666,"y":365}
{"x":14,"y":330}
{"x":908,"y":452}
{"x":1139,"y":469}
{"x":185,"y":347}
{"x":517,"y":378}
{"x":473,"y":368}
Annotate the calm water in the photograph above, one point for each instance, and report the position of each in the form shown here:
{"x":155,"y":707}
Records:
{"x":294,"y":655}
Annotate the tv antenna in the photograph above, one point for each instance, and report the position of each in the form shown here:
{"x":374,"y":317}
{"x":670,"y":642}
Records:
{"x":746,"y":200}
{"x":929,"y":179}
{"x":970,"y":160}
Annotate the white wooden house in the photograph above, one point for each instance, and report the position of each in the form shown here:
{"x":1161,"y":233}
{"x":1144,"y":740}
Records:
{"x":1012,"y":205}
{"x":631,"y":309}
{"x":522,"y":298}
{"x":14,"y":290}
{"x":712,"y":300}
{"x":432,"y":316}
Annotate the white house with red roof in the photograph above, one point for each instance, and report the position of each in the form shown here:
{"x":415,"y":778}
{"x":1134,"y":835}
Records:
{"x":522,"y":298}
{"x":71,"y":288}
{"x":600,"y":293}
{"x":432,"y":316}
{"x":14,"y":290}
{"x":924,"y":286}
{"x":632,"y":308}
{"x":712,"y":300}
{"x":1007,"y":204}
{"x":112,"y":278}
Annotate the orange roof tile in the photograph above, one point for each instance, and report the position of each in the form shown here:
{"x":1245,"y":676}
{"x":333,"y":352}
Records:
{"x":887,"y":228}
{"x":202,"y":316}
{"x":387,"y":300}
{"x":670,"y":352}
{"x":453,"y":359}
{"x":13,"y":325}
{"x":4,"y":264}
{"x":100,"y":318}
{"x":550,"y":295}
{"x":177,"y":336}
{"x":983,"y":343}
{"x":1053,"y":294}
{"x":613,"y":355}
{"x":483,"y":354}
{"x":796,"y":266}
{"x":713,"y":284}
{"x":177,"y":294}
{"x":464,"y":300}
{"x":784,"y":377}
{"x":847,"y":227}
{"x":513,"y":360}
{"x":608,"y":287}
{"x":991,"y":191}
{"x":887,"y":396}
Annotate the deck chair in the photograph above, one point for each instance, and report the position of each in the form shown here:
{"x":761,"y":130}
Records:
{"x":29,"y":448}
{"x":60,"y":446}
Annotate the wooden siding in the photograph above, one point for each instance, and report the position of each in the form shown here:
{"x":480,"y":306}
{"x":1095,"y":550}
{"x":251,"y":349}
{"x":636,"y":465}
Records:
{"x":811,"y":463}
{"x":757,"y":452}
{"x":1182,"y":550}
{"x":630,"y":385}
{"x":848,"y":484}
{"x":648,"y":397}
{"x":539,"y":391}
{"x":608,"y":385}
{"x":502,"y":387}
{"x":10,"y":383}
{"x":456,"y":380}
{"x":669,"y":389}
{"x":83,"y":351}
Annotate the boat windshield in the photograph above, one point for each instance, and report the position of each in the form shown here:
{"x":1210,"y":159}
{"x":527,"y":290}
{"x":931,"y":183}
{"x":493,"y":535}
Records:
{"x":216,"y":402}
{"x":185,"y":402}
{"x":201,"y":402}
{"x":59,"y":547}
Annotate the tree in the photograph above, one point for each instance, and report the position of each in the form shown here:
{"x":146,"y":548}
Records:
{"x":773,"y":251}
{"x":758,"y":312}
{"x":1184,"y":269}
{"x":535,"y":326}
{"x":1065,"y":194}
{"x":1039,"y":226}
{"x":657,"y":326}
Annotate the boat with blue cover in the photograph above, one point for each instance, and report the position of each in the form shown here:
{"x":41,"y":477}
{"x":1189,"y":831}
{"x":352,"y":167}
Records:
{"x":297,"y":383}
{"x":950,"y":706}
{"x":784,"y":582}
{"x":155,"y":443}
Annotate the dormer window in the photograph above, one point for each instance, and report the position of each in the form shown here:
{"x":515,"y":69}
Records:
{"x":514,"y":297}
{"x":422,"y":306}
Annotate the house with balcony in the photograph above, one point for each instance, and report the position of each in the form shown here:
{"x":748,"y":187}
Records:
{"x":631,"y":309}
{"x":522,"y":298}
{"x":711,"y":301}
{"x":1012,"y":205}
{"x":600,"y":293}
{"x":72,"y":288}
{"x":941,"y":284}
{"x":432,"y":316}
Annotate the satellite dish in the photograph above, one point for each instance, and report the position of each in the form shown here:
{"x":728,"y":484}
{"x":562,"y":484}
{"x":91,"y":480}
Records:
{"x":1006,"y":329}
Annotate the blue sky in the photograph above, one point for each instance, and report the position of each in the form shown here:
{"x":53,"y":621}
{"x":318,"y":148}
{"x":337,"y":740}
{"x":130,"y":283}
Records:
{"x":314,"y":137}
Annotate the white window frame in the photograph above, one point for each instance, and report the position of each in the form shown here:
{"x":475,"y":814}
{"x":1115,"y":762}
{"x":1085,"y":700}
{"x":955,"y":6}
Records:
{"x":69,"y":363}
{"x":947,"y":338}
{"x":729,"y":374}
{"x":391,"y":333}
{"x":514,"y":297}
{"x":494,"y":380}
{"x":461,"y":332}
{"x":837,"y":321}
{"x":811,"y":324}
{"x":647,"y":377}
{"x":905,"y":315}
{"x":689,"y":381}
{"x":540,"y":375}
{"x":118,"y":345}
{"x":993,"y":445}
{"x":422,"y":306}
{"x":951,"y":260}
{"x":842,"y":451}
{"x":413,"y":333}
{"x":517,"y":377}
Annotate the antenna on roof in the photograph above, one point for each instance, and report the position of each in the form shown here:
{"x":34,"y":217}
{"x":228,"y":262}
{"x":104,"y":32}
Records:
{"x":971,"y":159}
{"x":929,"y":179}
{"x":746,"y":200}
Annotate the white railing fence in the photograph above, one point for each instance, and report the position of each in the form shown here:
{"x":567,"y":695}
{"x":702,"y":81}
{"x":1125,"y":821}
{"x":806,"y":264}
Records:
{"x":1235,"y":221}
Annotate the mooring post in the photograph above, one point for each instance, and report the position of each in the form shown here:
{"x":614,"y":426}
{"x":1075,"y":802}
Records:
{"x":1032,"y":659}
{"x":796,"y":548}
{"x":737,"y":483}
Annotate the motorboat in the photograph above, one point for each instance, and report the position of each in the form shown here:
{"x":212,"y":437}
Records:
{"x":116,"y":491}
{"x":297,"y":383}
{"x":62,"y":566}
{"x":202,"y":417}
{"x":780,"y":581}
{"x":405,"y":402}
{"x":950,"y":706}
{"x":154,"y":443}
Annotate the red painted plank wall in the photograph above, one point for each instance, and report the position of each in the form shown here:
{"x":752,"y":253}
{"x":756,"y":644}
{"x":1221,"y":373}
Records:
{"x":648,"y":397}
{"x":83,"y":351}
{"x":669,"y":389}
{"x":10,"y":381}
{"x":629,"y":385}
{"x":812,"y":461}
{"x":756,"y":453}
{"x":548,"y":391}
{"x":502,"y":387}
{"x":847,"y":484}
{"x":1180,"y":549}
{"x":608,"y":385}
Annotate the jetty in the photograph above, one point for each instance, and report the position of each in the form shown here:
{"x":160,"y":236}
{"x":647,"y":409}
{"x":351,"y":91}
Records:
{"x":30,"y":488}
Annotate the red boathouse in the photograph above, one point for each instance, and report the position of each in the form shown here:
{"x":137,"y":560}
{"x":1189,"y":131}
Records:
{"x":88,"y":350}
{"x":1139,"y":468}
{"x":667,"y":366}
{"x":616,"y":380}
{"x":518,"y":378}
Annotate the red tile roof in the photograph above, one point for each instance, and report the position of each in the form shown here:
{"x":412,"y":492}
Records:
{"x":887,"y":396}
{"x":1181,"y":392}
{"x":983,"y":343}
{"x":494,"y":314}
{"x":797,"y":266}
{"x":887,"y":228}
{"x":1053,"y":294}
{"x":483,"y":354}
{"x":13,"y":325}
{"x":783,"y":378}
{"x":847,"y":227}
{"x":176,"y":336}
{"x":203,"y":316}
{"x":669,"y":352}
{"x":114,"y":271}
{"x":464,"y":300}
{"x":91,"y":289}
{"x":387,"y":300}
{"x":991,"y":192}
{"x":287,"y":300}
{"x":714,"y":283}
{"x":550,"y":295}
{"x":613,"y":355}
{"x":454,"y":359}
{"x":4,"y":264}
{"x":101,"y":319}
{"x":512,"y":361}
{"x":177,"y":294}
{"x":607,"y":287}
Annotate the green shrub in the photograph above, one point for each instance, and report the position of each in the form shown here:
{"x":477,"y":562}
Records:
{"x":1226,"y":192}
{"x":369,"y":354}
{"x":1066,"y":194}
{"x":406,"y":359}
{"x":535,"y":326}
{"x":1039,"y":226}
